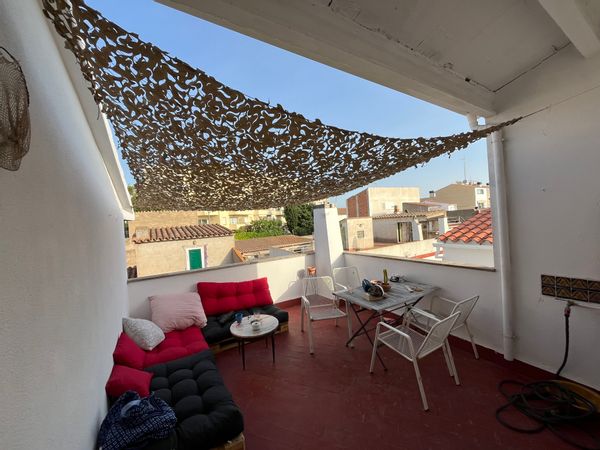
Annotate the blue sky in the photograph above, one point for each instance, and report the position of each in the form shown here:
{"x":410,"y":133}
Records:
{"x":299,"y":84}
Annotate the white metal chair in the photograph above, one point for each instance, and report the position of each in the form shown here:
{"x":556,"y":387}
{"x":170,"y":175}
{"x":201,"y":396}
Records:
{"x":319,"y":303}
{"x":414,"y":345}
{"x":346,"y":277}
{"x":441,"y":308}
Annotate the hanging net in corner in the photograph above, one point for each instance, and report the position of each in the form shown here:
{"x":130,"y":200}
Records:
{"x":193,"y":143}
{"x":15,"y":127}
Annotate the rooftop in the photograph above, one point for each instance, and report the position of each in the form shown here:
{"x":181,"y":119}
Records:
{"x":264,"y":243}
{"x":330,"y":400}
{"x":408,"y":215}
{"x":181,"y":233}
{"x":477,"y":229}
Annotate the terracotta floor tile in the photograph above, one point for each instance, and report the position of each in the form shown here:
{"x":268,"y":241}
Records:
{"x":330,"y":400}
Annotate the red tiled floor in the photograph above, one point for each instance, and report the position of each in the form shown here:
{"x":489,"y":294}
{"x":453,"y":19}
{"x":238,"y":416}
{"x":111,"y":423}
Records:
{"x":330,"y":400}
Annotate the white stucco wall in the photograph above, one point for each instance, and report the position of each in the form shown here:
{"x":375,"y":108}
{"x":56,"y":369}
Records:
{"x":474,"y":254}
{"x":405,"y":250}
{"x":454,"y":282}
{"x":283,"y":273}
{"x":552,"y":161}
{"x":62,"y":262}
{"x":385,"y":230}
{"x":328,"y":240}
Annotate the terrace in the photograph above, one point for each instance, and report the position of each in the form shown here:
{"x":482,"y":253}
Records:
{"x":63,"y":265}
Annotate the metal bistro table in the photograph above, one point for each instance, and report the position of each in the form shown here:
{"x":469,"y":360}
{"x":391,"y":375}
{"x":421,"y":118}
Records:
{"x":243,"y":332}
{"x":402,"y":295}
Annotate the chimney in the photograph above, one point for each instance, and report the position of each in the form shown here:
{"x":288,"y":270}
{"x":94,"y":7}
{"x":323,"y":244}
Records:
{"x":431,"y":194}
{"x":142,"y":233}
{"x":396,"y":210}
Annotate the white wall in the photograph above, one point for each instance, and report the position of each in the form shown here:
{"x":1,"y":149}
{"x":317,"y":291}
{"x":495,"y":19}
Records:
{"x":454,"y":282}
{"x":474,"y":254}
{"x":62,"y":261}
{"x":405,"y":250}
{"x":552,"y":161}
{"x":283,"y":274}
{"x":329,"y":250}
{"x":385,"y":230}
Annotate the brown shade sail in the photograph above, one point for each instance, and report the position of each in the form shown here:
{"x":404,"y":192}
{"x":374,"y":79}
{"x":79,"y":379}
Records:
{"x":193,"y":143}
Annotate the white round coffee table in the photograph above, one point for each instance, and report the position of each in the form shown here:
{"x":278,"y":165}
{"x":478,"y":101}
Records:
{"x":244,"y":332}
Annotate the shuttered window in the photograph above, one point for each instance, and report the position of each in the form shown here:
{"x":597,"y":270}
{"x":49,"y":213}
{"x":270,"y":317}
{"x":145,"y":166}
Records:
{"x":194,"y":256}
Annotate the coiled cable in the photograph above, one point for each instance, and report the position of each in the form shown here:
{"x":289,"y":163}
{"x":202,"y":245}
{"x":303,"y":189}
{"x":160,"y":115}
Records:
{"x":552,"y":406}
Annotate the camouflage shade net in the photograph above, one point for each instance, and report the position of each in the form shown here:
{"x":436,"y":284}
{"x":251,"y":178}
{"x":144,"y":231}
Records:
{"x":15,"y":128}
{"x":193,"y":143}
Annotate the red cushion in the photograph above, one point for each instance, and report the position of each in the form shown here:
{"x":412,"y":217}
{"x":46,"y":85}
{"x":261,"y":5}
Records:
{"x":219,"y":298}
{"x":123,"y":379}
{"x":127,"y":353}
{"x":177,"y":344}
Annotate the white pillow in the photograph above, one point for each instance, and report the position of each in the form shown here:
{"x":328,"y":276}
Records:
{"x":144,"y":333}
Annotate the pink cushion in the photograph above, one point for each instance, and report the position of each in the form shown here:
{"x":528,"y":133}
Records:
{"x":219,"y":298}
{"x":123,"y":379}
{"x":177,"y":311}
{"x":127,"y":353}
{"x":177,"y":344}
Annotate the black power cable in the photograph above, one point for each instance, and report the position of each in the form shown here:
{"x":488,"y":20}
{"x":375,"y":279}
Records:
{"x":567,"y":315}
{"x":551,"y":406}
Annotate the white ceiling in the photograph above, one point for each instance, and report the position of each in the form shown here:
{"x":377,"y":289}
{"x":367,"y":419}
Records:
{"x":488,"y":41}
{"x":455,"y":53}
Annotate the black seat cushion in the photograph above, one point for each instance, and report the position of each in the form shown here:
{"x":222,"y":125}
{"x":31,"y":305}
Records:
{"x":217,"y":327}
{"x":206,"y":414}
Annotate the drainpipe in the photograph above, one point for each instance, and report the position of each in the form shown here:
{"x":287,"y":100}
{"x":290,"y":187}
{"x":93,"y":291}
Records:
{"x":501,"y":238}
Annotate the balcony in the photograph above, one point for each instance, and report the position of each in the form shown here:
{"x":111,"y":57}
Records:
{"x":330,"y":399}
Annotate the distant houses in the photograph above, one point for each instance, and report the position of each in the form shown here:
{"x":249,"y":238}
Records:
{"x":174,"y":249}
{"x":396,"y":221}
{"x":381,"y":200}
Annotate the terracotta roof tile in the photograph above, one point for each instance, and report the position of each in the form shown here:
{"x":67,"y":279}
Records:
{"x":182,"y":233}
{"x":477,"y":229}
{"x":264,"y":243}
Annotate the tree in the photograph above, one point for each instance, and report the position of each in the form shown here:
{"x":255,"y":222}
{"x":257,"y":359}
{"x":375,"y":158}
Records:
{"x":133,"y":195}
{"x":299,"y":219}
{"x":271,"y":226}
{"x":260,"y":228}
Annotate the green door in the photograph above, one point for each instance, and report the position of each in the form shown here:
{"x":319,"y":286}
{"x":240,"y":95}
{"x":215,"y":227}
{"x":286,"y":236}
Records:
{"x":195,"y":258}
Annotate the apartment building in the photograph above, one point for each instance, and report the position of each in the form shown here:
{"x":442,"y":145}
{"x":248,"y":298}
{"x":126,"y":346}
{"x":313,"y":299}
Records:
{"x":229,"y":219}
{"x":466,"y":195}
{"x":375,"y":201}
